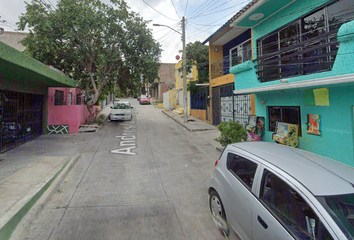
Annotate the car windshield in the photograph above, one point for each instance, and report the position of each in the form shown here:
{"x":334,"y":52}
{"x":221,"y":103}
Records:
{"x":121,"y":106}
{"x":341,"y":208}
{"x":144,"y":97}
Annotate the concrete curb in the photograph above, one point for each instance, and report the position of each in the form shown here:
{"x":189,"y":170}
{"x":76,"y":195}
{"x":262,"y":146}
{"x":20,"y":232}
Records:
{"x":179,"y":122}
{"x":41,"y":198}
{"x":220,"y":149}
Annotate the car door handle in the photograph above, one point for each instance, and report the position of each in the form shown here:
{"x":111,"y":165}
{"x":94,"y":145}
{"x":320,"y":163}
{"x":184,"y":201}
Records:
{"x":262,"y":222}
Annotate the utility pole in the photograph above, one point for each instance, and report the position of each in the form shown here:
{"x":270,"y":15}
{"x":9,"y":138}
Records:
{"x":185,"y":98}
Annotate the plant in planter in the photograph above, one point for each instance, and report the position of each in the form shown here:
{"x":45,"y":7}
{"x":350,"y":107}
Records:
{"x":231,"y":132}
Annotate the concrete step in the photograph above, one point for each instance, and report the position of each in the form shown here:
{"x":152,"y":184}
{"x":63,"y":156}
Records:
{"x":179,"y":112}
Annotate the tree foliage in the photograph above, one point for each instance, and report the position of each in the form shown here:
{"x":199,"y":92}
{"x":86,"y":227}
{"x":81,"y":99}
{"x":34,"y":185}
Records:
{"x":102,"y":46}
{"x":197,"y":53}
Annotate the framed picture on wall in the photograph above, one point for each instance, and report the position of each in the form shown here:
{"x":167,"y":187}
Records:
{"x":314,"y":124}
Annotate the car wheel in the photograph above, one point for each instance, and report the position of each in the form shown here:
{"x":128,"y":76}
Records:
{"x":218,"y":213}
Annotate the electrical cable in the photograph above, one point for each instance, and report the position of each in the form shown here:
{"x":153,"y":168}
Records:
{"x":206,"y":7}
{"x":185,"y":10}
{"x":158,"y":11}
{"x":197,"y":9}
{"x":238,"y":5}
{"x":175,"y":9}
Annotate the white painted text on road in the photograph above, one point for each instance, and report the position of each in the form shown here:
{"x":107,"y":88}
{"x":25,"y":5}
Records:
{"x":127,"y":140}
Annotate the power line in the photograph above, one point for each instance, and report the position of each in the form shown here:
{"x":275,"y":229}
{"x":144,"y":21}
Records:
{"x":206,"y":7}
{"x":207,"y":14}
{"x":197,"y":9}
{"x":158,"y":11}
{"x":175,"y":9}
{"x":185,"y":10}
{"x":244,"y":3}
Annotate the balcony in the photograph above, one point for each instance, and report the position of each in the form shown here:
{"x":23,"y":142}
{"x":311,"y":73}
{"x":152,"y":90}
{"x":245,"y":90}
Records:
{"x":221,"y":67}
{"x":307,"y":57}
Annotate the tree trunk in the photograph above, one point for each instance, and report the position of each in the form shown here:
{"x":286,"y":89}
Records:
{"x":91,"y":112}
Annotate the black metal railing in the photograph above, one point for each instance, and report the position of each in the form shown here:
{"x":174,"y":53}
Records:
{"x":21,"y":116}
{"x":311,"y":56}
{"x":220,"y":67}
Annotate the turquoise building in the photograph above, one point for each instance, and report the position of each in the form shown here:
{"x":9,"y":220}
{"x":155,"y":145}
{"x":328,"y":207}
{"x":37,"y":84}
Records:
{"x":302,"y":71}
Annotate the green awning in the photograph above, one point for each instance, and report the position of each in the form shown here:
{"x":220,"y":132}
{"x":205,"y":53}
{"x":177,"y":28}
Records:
{"x":16,"y":66}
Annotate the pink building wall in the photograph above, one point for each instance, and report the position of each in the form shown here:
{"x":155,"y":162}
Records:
{"x":72,"y":115}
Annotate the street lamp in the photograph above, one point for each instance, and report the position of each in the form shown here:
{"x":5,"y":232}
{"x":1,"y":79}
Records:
{"x":185,"y":99}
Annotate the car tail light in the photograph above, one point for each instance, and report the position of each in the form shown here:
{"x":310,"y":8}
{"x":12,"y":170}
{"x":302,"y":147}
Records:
{"x":216,"y":162}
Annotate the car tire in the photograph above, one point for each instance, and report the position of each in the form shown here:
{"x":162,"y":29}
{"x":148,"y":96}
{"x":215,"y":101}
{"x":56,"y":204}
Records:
{"x":218,"y":213}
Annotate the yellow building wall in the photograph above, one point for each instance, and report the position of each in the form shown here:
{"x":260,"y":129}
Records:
{"x":226,"y":79}
{"x":172,"y":97}
{"x":200,"y":114}
{"x":179,"y":80}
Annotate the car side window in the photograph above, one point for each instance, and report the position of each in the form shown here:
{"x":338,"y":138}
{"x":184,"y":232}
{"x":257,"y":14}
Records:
{"x":291,"y":209}
{"x":242,"y":168}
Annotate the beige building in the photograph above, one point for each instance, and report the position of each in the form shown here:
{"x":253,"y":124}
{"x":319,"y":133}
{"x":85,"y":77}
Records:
{"x":13,"y":38}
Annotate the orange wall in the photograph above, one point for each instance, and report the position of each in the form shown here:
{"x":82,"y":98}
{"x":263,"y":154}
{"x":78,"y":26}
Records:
{"x":226,"y":79}
{"x":200,"y":114}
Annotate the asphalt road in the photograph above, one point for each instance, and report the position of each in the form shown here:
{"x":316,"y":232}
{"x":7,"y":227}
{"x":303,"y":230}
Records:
{"x":141,"y":179}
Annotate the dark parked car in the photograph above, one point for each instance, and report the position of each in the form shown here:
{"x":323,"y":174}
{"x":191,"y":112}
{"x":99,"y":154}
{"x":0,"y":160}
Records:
{"x":263,"y":190}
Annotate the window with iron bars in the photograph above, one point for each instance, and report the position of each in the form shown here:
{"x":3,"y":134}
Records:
{"x":304,"y":46}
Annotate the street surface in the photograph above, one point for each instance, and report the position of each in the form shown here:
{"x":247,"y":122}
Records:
{"x":141,"y":179}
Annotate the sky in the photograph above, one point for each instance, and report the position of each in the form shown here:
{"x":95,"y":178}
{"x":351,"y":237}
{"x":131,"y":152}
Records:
{"x":203,"y":18}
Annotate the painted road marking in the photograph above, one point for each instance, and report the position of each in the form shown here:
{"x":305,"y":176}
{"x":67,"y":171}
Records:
{"x":127,"y":140}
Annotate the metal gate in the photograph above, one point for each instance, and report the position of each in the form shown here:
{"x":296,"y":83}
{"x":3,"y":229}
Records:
{"x":21,"y":117}
{"x":242,"y":108}
{"x":216,"y":105}
{"x":221,"y":103}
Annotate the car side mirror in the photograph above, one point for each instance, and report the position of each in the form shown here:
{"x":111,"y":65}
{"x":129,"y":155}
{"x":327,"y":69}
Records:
{"x":131,"y":107}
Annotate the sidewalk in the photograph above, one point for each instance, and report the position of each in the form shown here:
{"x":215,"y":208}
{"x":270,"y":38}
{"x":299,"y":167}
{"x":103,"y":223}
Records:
{"x":204,"y":130}
{"x":29,"y":173}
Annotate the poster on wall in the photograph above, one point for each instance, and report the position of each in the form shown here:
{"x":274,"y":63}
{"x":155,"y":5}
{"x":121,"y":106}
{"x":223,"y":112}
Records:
{"x":314,"y":124}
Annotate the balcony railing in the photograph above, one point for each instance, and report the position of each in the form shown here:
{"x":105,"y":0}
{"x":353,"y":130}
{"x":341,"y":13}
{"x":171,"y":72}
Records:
{"x":311,"y":56}
{"x":219,"y":68}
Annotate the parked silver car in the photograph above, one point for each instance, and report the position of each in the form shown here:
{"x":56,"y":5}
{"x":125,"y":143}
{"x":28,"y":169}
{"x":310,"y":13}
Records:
{"x":121,"y":111}
{"x":263,"y":190}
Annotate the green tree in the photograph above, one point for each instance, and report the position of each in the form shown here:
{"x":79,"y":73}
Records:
{"x":101,"y":46}
{"x":197,"y":53}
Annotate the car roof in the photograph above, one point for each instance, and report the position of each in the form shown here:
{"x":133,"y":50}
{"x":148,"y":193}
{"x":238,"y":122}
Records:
{"x":122,"y":102}
{"x":320,"y":175}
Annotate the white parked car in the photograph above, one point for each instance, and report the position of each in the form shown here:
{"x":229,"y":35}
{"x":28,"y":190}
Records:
{"x":263,"y":190}
{"x":121,"y":111}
